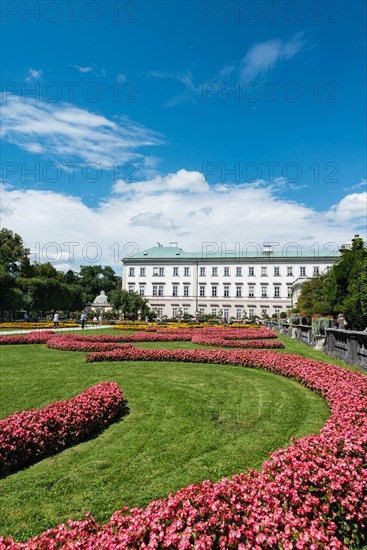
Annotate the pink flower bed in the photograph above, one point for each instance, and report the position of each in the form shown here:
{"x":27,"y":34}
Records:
{"x":71,"y":343}
{"x":39,"y":337}
{"x":240,"y":333}
{"x":311,"y":495}
{"x":29,"y":436}
{"x":221,"y":342}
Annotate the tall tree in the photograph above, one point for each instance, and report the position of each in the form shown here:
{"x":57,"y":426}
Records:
{"x":343,"y":289}
{"x":12,"y":251}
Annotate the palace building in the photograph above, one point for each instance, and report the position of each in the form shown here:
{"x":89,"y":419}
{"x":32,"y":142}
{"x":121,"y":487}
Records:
{"x":239,"y":284}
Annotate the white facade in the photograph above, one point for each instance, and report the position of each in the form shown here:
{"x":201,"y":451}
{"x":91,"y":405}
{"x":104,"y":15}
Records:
{"x":176,"y":282}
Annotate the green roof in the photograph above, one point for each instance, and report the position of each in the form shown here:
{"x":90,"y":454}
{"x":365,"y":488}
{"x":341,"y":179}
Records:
{"x":173,"y":252}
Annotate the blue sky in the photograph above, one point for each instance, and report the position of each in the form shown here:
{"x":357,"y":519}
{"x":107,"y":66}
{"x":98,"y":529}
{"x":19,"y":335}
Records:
{"x":183,"y":121}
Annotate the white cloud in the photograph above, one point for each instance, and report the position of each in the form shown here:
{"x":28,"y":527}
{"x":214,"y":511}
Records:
{"x":83,"y":69}
{"x":259,"y":60}
{"x":34,"y":74}
{"x":121,"y":77}
{"x":351,"y":208}
{"x":178,"y":207}
{"x":264,"y":56}
{"x":64,"y":132}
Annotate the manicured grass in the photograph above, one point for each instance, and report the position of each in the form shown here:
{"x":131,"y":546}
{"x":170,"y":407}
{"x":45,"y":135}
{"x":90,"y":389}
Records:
{"x":186,"y":423}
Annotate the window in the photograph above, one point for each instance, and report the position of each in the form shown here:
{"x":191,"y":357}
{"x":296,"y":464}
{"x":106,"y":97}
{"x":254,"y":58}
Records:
{"x":251,"y":272}
{"x":277,"y":311}
{"x":131,"y":271}
{"x":238,"y":291}
{"x":264,"y":272}
{"x":214,"y":290}
{"x":226,"y":313}
{"x":277,"y":291}
{"x":316,"y":270}
{"x":142,"y":272}
{"x":289,"y":293}
{"x":186,"y":271}
{"x":174,"y":312}
{"x":202,"y":290}
{"x":226,"y":271}
{"x":238,"y":313}
{"x":186,"y":310}
{"x":251,"y":312}
{"x":215,"y":271}
{"x":251,"y":291}
{"x":201,"y":311}
{"x":214,"y":311}
{"x":158,"y":290}
{"x":238,"y":271}
{"x":174,"y":290}
{"x":175,"y":271}
{"x":226,"y":291}
{"x":159,"y":311}
{"x":202,"y":272}
{"x":289,"y":271}
{"x":186,"y":289}
{"x":131,"y":288}
{"x":276,"y":272}
{"x":141,"y":290}
{"x":158,"y":271}
{"x":264,"y":291}
{"x":302,"y":271}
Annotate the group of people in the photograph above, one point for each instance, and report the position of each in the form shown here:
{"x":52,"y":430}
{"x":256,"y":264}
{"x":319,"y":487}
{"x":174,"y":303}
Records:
{"x":96,"y":320}
{"x":83,"y":319}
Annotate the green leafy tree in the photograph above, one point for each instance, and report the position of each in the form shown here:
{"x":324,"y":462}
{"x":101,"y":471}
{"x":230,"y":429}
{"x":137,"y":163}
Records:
{"x":12,"y":251}
{"x":346,"y":285}
{"x":312,"y":299}
{"x":129,"y":303}
{"x":343,"y":289}
{"x":94,"y":278}
{"x":11,"y":297}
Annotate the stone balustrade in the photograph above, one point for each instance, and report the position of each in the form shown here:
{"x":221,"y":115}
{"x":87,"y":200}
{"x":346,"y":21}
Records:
{"x":349,"y":346}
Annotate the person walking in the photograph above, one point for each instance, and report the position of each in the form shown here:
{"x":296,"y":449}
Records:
{"x":83,"y":319}
{"x":56,"y":320}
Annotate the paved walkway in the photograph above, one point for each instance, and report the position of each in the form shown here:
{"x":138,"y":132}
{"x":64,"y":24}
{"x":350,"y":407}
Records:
{"x":70,"y":329}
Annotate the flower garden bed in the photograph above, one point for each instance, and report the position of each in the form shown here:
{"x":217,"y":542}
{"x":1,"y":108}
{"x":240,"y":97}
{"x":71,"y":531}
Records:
{"x":29,"y":436}
{"x":221,"y":342}
{"x":41,"y":337}
{"x":311,"y":495}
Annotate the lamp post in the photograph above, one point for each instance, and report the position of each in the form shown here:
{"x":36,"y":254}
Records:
{"x":197,"y":313}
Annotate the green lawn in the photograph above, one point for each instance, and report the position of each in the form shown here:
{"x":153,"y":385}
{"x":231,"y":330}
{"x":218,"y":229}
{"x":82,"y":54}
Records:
{"x":186,"y":423}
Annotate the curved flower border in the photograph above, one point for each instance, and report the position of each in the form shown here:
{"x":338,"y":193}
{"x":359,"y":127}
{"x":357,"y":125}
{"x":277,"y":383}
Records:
{"x":311,"y":495}
{"x":29,"y":436}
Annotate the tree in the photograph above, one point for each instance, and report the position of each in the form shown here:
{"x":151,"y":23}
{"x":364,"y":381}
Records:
{"x":312,"y":299}
{"x":343,"y":289}
{"x":129,"y":303}
{"x":94,"y":278}
{"x":11,"y":297}
{"x":346,"y":285}
{"x":12,"y":251}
